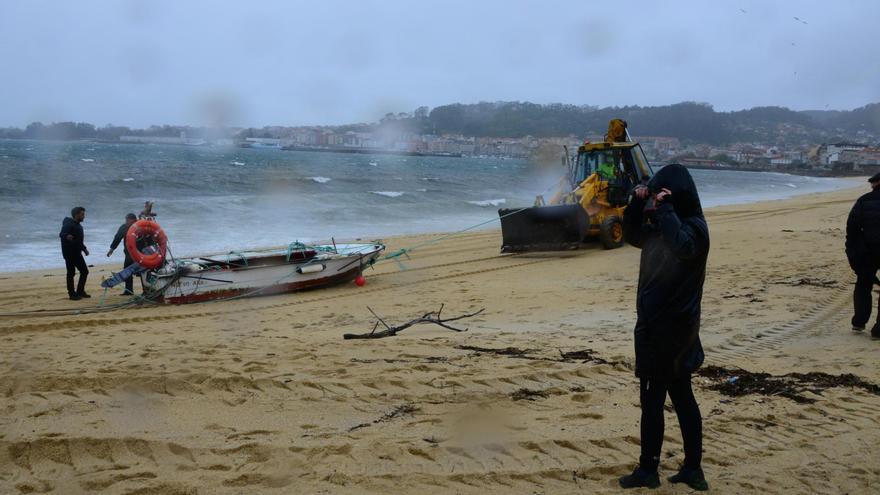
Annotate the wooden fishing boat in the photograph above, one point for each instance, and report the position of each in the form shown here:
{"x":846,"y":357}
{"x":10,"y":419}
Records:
{"x":299,"y":267}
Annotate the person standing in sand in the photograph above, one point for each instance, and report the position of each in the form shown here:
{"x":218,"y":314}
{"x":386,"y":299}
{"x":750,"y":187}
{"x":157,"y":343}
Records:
{"x":863,"y":254}
{"x":147,"y":212}
{"x":72,"y":249}
{"x":665,"y":220}
{"x":130,"y":219}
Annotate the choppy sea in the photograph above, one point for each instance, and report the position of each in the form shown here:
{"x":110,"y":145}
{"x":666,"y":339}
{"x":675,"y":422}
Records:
{"x":216,"y":200}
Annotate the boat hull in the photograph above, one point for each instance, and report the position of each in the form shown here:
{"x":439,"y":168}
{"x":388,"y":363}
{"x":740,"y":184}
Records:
{"x":256,"y":276}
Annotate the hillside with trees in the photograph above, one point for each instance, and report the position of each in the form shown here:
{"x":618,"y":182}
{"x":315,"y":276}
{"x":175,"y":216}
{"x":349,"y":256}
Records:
{"x":688,"y":121}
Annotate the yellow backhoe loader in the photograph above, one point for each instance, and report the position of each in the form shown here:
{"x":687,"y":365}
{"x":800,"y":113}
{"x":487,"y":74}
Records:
{"x":589,"y":202}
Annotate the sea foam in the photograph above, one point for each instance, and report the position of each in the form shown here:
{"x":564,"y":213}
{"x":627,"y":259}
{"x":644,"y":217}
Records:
{"x":388,"y":194}
{"x":489,"y":202}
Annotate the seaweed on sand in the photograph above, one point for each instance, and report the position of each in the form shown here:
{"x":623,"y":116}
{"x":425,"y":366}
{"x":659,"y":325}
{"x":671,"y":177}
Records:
{"x":739,"y":382}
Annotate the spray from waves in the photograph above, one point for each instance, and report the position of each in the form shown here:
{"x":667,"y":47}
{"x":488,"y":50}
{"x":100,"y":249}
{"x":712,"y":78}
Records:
{"x":87,"y":160}
{"x":388,"y":194}
{"x":128,"y":179}
{"x":489,"y":202}
{"x":321,"y":180}
{"x":239,"y":164}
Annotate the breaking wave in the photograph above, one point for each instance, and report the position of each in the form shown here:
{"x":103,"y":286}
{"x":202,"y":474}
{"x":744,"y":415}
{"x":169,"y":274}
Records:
{"x":388,"y":194}
{"x":489,"y":202}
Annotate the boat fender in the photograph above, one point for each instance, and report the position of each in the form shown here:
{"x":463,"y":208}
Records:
{"x":152,"y":256}
{"x":313,"y":268}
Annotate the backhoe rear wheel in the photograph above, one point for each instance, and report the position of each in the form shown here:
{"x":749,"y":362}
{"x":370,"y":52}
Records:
{"x":611,"y":233}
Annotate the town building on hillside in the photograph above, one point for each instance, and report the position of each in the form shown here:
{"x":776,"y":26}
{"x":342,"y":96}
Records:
{"x":828,"y":154}
{"x":864,"y":156}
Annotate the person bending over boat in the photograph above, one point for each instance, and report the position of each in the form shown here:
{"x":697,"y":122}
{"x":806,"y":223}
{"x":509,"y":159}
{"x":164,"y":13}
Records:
{"x":130,"y":219}
{"x":665,"y":219}
{"x":72,"y":249}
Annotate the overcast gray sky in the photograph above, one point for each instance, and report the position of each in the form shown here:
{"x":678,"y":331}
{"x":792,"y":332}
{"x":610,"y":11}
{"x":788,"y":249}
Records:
{"x":136,"y":63}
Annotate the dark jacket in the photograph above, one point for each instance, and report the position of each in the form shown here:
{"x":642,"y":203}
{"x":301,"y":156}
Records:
{"x":675,"y":244}
{"x":863,"y":232}
{"x":72,"y":248}
{"x":120,"y":237}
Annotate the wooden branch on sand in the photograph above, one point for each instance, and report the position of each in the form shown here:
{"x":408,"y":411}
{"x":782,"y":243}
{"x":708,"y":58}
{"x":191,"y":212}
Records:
{"x":431,"y":317}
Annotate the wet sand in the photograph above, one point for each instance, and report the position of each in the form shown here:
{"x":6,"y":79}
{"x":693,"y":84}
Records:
{"x":264,"y":396}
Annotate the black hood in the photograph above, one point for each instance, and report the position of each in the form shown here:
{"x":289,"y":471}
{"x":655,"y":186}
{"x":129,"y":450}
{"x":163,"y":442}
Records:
{"x":68,"y":221}
{"x":677,"y":179}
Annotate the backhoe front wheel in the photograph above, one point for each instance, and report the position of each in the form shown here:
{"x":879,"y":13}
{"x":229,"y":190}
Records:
{"x":611,"y":233}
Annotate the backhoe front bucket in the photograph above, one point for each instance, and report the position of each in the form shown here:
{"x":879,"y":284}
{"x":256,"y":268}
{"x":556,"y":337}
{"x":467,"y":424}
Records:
{"x":543,"y":228}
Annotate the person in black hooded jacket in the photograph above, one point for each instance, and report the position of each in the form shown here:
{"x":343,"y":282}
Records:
{"x":72,"y":249}
{"x":665,"y":219}
{"x":863,"y":253}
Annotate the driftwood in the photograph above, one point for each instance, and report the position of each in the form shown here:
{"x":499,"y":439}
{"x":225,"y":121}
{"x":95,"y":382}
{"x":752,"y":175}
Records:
{"x":430,"y":317}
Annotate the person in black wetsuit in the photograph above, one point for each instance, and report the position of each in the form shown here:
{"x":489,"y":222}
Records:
{"x":863,"y":254}
{"x":72,"y":249}
{"x":665,"y":219}
{"x":130,"y":219}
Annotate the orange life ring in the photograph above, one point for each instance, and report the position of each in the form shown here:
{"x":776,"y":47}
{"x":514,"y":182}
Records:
{"x":149,"y":231}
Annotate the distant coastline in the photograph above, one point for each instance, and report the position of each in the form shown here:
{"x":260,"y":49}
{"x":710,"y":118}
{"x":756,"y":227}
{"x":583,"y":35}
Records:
{"x":370,"y":151}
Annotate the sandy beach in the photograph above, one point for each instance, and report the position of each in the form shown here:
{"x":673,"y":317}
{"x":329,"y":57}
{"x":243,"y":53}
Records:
{"x":263,"y":395}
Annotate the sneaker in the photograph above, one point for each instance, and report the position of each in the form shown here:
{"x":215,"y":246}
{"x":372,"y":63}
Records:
{"x":126,"y":293}
{"x":640,"y":478}
{"x":857,"y":328}
{"x":691,"y":477}
{"x":74,"y":297}
{"x":875,"y":331}
{"x":84,"y":295}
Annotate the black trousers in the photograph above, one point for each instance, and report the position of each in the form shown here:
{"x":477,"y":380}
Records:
{"x":653,"y":397}
{"x":75,"y":262}
{"x":862,"y":298}
{"x":129,"y":282}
